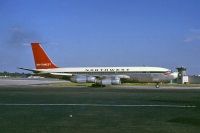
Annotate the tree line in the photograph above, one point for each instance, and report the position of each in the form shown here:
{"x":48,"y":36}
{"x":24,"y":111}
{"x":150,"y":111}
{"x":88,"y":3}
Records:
{"x":14,"y":74}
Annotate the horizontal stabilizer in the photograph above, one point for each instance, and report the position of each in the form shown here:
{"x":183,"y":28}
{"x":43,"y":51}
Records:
{"x":31,"y":70}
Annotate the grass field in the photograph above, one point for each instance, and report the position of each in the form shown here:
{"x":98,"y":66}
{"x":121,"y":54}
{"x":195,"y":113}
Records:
{"x":53,"y":118}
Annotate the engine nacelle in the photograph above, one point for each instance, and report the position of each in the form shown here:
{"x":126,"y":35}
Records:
{"x":91,"y":79}
{"x":115,"y":81}
{"x":78,"y":79}
{"x":83,"y":79}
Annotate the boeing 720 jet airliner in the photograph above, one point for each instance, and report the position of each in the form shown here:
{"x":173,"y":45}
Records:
{"x":97,"y":75}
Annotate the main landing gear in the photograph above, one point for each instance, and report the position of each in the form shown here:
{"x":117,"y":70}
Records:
{"x":97,"y":85}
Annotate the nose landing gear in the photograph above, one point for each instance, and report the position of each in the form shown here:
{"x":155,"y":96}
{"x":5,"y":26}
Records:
{"x":157,"y":85}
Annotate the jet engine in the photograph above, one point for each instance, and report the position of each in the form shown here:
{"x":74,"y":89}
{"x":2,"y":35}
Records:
{"x":109,"y":81}
{"x":83,"y":79}
{"x":78,"y":79}
{"x":90,"y":79}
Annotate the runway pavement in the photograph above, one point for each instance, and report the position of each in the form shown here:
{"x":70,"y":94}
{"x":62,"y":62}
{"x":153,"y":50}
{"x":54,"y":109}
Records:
{"x":26,"y":81}
{"x":42,"y":108}
{"x":56,"y":83}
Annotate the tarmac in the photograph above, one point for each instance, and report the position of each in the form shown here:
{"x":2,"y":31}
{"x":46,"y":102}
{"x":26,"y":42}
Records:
{"x":26,"y":81}
{"x":48,"y":82}
{"x":34,"y":105}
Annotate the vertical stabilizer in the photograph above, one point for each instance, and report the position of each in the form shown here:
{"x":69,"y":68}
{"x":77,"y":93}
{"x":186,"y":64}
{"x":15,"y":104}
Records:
{"x":42,"y":61}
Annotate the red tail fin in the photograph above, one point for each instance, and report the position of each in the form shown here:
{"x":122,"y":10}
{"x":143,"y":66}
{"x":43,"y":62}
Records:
{"x":42,"y":61}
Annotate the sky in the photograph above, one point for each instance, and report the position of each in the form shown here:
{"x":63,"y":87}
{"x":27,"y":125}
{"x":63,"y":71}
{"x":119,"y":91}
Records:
{"x":80,"y":33}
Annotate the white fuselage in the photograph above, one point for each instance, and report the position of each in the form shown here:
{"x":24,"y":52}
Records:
{"x":107,"y":69}
{"x":143,"y":74}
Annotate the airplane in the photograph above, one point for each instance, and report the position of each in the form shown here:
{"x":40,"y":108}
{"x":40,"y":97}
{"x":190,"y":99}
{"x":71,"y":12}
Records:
{"x":102,"y":76}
